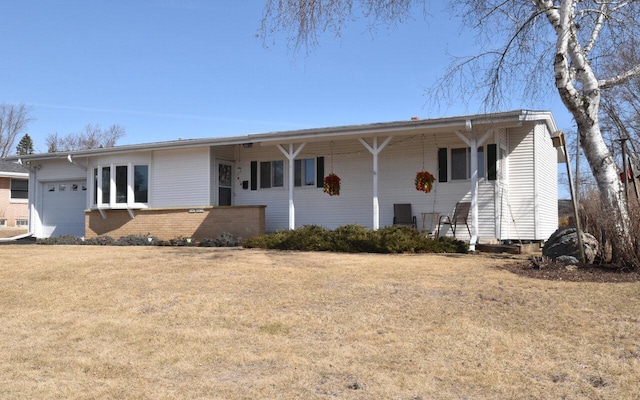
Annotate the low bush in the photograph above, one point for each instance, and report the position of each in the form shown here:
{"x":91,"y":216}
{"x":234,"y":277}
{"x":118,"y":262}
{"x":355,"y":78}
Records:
{"x":62,"y":239}
{"x":100,"y":241}
{"x":355,"y":238}
{"x":137,"y":240}
{"x":224,"y":240}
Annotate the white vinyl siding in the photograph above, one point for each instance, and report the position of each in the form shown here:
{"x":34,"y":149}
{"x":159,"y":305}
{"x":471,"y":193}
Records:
{"x":180,"y":178}
{"x":522,"y":193}
{"x":547,"y":195}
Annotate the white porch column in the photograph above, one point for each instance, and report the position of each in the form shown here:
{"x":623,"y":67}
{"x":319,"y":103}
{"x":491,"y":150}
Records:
{"x":375,"y":150}
{"x":291,"y":156}
{"x":474,"y":143}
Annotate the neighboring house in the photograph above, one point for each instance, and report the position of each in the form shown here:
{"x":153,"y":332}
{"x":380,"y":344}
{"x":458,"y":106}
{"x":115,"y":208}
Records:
{"x":504,"y":164}
{"x":14,"y":193}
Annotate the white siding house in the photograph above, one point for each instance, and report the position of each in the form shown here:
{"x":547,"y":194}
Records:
{"x":512,"y":185}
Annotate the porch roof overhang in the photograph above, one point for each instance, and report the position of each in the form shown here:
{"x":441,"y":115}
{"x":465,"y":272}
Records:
{"x":399,"y":128}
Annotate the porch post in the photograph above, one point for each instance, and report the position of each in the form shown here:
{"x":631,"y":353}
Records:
{"x":291,"y":156}
{"x":375,"y":150}
{"x":474,"y":143}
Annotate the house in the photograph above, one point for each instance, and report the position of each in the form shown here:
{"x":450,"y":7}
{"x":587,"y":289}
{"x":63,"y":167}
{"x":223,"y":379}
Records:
{"x":14,"y":211}
{"x":504,"y":164}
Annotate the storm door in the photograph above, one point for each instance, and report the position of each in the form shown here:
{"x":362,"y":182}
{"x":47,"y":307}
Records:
{"x":225,"y":181}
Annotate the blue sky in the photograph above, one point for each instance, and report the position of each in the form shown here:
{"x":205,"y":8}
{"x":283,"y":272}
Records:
{"x":169,"y":69}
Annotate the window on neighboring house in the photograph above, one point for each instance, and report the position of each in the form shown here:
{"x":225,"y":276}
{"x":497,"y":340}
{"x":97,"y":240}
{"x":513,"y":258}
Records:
{"x":129,"y":184}
{"x":305,"y":172}
{"x":19,"y":189}
{"x":22,"y":222}
{"x":3,"y":222}
{"x":271,"y":174}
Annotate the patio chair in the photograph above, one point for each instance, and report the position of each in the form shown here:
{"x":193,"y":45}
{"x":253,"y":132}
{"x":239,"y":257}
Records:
{"x":460,"y":216}
{"x":402,"y":215}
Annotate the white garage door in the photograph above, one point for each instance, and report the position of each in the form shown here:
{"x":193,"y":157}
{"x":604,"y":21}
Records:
{"x":63,"y":205}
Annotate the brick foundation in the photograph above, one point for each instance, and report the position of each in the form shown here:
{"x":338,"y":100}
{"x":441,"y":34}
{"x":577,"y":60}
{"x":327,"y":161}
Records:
{"x":169,"y":223}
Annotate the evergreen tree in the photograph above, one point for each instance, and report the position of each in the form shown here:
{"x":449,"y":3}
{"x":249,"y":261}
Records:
{"x":25,"y":146}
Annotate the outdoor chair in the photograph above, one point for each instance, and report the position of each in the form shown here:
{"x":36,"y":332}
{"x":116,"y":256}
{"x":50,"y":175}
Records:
{"x":402,"y":215}
{"x":460,"y":216}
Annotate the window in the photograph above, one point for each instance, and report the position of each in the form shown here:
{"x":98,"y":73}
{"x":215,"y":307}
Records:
{"x":460,"y":164}
{"x":128,"y":184}
{"x":271,"y":174}
{"x":140,"y":183}
{"x":305,"y":172}
{"x":121,"y":184}
{"x":3,"y":222}
{"x":19,"y":189}
{"x":22,"y":222}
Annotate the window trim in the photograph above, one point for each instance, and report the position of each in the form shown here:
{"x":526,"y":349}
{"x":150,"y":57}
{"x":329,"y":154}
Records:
{"x":300,"y":172}
{"x":98,"y":180}
{"x":445,"y":164}
{"x":272,"y":175}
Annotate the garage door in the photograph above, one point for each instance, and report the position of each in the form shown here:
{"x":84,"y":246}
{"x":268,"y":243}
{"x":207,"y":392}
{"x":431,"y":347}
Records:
{"x":63,"y":205}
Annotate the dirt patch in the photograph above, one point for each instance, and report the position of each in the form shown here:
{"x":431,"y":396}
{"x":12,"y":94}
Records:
{"x":549,"y":270}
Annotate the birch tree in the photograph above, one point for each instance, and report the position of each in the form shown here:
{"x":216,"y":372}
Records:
{"x":534,"y":47}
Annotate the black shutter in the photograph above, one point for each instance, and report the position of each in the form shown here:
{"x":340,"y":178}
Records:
{"x":254,"y":175}
{"x":492,"y":161}
{"x":320,"y":172}
{"x":442,"y":165}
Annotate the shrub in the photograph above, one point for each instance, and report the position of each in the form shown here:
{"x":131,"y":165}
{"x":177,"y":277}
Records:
{"x":137,"y":240}
{"x":180,"y":241}
{"x":62,"y":239}
{"x":100,"y":240}
{"x":602,"y":225}
{"x":224,"y":240}
{"x":353,"y":239}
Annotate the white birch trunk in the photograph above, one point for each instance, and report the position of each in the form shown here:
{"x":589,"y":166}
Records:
{"x":571,"y":64}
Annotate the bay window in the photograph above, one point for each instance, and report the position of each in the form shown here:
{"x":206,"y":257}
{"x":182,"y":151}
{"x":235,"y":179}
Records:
{"x":119,"y":186}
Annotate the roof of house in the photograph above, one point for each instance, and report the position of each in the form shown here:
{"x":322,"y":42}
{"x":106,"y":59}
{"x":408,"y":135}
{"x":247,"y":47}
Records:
{"x":9,"y":169}
{"x":408,"y":127}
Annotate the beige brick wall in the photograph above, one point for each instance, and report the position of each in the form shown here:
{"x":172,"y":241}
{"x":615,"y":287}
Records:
{"x":169,"y":223}
{"x":11,"y":210}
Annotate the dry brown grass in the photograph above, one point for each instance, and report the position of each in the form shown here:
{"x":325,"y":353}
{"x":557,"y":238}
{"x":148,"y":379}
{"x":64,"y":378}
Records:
{"x":135,"y":322}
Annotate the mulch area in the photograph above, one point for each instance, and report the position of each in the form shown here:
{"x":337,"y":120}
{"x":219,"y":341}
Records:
{"x":549,"y":270}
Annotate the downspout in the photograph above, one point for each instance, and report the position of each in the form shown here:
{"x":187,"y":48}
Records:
{"x":31,"y":201}
{"x":82,"y":167}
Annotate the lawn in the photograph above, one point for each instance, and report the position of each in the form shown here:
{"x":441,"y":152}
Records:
{"x":91,"y":322}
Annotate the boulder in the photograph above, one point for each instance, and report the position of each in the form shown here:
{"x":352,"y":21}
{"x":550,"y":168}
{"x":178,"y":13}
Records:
{"x":564,"y":242}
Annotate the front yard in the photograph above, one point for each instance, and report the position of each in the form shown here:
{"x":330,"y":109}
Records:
{"x":191,"y":323}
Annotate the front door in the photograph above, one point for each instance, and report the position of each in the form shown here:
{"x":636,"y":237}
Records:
{"x":225,"y":181}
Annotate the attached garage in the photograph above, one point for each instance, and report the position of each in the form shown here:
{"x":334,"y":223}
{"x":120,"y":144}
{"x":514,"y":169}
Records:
{"x":63,"y":205}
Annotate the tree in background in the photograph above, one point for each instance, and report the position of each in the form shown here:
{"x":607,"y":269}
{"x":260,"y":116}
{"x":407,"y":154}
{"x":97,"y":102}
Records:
{"x":25,"y":145}
{"x":91,"y":137}
{"x":14,"y":119}
{"x":525,"y":46}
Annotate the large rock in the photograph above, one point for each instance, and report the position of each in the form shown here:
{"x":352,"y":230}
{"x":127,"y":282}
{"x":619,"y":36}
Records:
{"x":564,"y":242}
